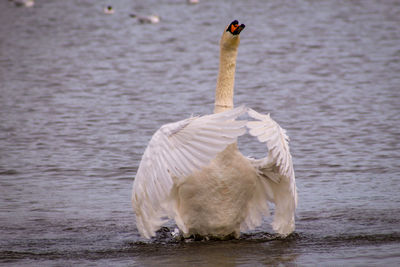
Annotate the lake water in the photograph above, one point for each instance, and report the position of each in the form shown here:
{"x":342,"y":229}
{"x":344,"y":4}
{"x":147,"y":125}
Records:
{"x":82,"y":92}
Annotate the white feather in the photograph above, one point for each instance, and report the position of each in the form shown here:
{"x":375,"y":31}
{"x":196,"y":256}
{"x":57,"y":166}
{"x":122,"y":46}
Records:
{"x":278,"y":167}
{"x":177,"y":150}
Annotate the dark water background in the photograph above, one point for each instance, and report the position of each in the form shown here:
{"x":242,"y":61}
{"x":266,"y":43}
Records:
{"x":81,"y":93}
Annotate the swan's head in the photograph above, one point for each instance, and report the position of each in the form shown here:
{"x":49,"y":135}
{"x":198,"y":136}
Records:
{"x":109,"y":10}
{"x":230,"y":37}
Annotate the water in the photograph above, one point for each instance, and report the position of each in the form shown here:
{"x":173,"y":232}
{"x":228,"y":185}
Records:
{"x":82,"y":93}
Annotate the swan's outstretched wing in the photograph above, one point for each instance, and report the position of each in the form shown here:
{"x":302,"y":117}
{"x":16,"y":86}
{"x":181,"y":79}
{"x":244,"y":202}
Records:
{"x":175,"y":151}
{"x":275,"y":172}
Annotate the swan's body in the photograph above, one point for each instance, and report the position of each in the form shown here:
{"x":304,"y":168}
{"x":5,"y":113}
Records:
{"x":150,"y":19}
{"x":193,"y":172}
{"x":192,"y":2}
{"x":212,"y":201}
{"x":24,"y":3}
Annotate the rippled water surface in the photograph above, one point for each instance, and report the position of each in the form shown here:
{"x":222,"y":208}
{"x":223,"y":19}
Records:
{"x":82,"y":92}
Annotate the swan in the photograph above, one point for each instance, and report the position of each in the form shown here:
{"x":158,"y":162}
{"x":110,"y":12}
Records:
{"x":108,"y":10}
{"x":24,"y":3}
{"x":150,"y":19}
{"x":192,"y":171}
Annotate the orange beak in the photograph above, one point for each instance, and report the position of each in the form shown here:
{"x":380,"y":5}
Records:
{"x":234,"y":27}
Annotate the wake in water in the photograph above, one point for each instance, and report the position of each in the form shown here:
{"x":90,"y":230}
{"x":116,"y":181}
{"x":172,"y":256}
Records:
{"x":166,"y":235}
{"x":166,"y":244}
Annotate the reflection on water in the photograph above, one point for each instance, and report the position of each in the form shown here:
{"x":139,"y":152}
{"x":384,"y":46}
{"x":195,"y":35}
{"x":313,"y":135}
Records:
{"x":227,"y":253}
{"x":82,"y":93}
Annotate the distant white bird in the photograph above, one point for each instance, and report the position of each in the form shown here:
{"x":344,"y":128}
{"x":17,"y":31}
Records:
{"x":108,"y":10}
{"x":151,"y":19}
{"x":193,"y":172}
{"x":24,"y":3}
{"x":192,"y":1}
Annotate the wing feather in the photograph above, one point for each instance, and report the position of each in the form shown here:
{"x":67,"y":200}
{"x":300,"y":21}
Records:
{"x":275,"y":171}
{"x":175,"y":151}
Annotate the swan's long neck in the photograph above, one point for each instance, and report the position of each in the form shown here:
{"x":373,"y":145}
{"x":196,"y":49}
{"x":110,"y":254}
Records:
{"x":226,"y":79}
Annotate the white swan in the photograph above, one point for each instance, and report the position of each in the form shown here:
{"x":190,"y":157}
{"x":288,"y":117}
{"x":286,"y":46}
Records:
{"x":192,"y":2}
{"x":150,"y":19}
{"x":193,"y":172}
{"x":24,"y":3}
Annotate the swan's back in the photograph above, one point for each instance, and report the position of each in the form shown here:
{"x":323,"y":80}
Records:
{"x":214,"y":201}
